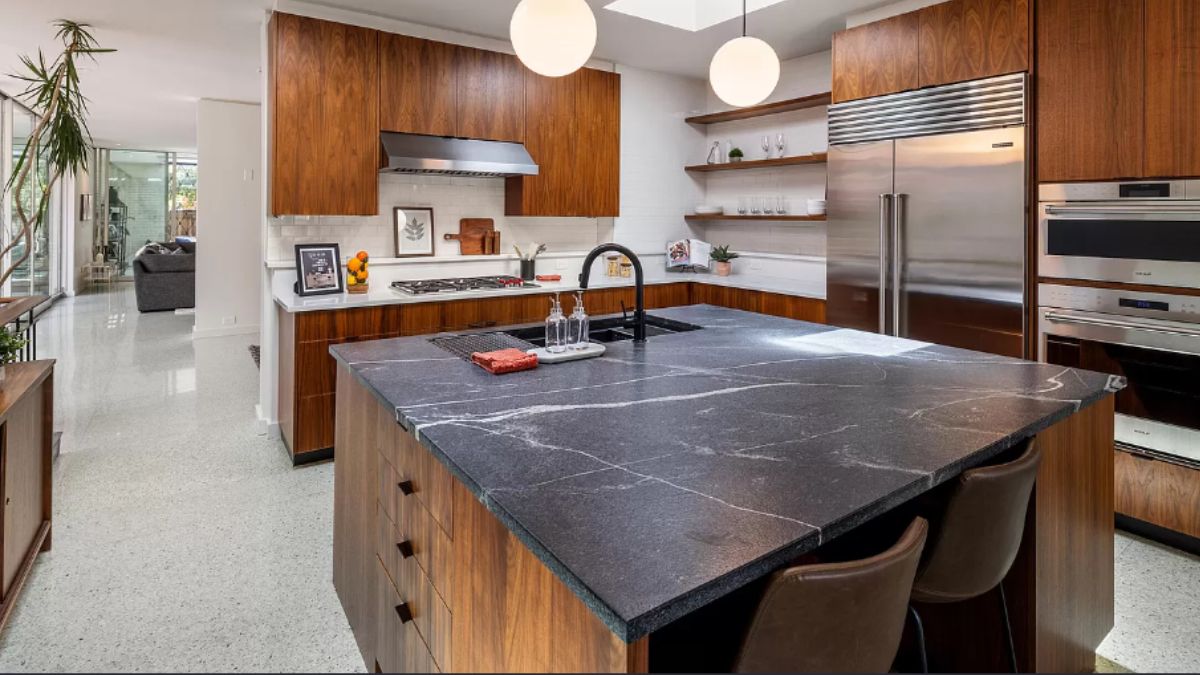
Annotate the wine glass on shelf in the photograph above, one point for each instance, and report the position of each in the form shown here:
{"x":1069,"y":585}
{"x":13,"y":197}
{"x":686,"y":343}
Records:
{"x":768,"y":206}
{"x":741,"y":207}
{"x":756,"y":206}
{"x":766,"y":146}
{"x":781,"y":144}
{"x":782,"y":206}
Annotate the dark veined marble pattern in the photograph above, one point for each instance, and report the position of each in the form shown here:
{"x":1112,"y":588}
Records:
{"x":660,"y":477}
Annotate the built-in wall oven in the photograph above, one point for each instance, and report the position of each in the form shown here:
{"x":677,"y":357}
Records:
{"x":1128,"y":255}
{"x":1153,"y":340}
{"x":1134,"y":233}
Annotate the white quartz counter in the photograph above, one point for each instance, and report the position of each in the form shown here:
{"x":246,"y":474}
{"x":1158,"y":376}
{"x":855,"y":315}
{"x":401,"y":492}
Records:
{"x":806,"y":278}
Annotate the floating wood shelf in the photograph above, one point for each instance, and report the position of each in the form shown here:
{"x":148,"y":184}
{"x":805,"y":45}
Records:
{"x":814,"y":101}
{"x":818,"y":158}
{"x":782,"y":219}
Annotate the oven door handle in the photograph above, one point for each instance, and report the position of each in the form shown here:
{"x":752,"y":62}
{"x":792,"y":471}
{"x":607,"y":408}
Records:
{"x":1055,"y":317}
{"x":1164,"y":210}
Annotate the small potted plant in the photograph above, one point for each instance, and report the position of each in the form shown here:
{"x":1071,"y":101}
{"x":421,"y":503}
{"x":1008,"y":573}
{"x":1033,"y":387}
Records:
{"x":724,"y":259}
{"x":736,"y":155}
{"x":11,"y":345}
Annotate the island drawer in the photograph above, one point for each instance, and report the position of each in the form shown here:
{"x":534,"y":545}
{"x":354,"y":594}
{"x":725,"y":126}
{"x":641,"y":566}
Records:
{"x":430,"y":543}
{"x":429,"y":611}
{"x":399,"y":648}
{"x":430,"y":482}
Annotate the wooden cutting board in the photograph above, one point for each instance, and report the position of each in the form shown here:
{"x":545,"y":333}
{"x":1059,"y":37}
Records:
{"x":476,"y":236}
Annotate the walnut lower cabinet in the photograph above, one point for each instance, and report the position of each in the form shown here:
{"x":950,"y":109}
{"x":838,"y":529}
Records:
{"x":26,"y":437}
{"x":431,"y":581}
{"x":308,"y":374}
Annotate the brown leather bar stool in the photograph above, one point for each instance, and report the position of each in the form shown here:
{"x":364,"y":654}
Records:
{"x":975,"y":541}
{"x":835,"y":617}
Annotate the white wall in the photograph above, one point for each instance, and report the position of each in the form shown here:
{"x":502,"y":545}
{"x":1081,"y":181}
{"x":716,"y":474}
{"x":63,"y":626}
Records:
{"x":229,"y":200}
{"x":805,"y":131}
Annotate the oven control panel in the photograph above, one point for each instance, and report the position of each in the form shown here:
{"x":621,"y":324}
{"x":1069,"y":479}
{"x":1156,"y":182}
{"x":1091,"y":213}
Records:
{"x":1115,"y":301}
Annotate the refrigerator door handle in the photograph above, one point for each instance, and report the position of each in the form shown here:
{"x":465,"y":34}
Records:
{"x":897,"y":258}
{"x":885,"y":216}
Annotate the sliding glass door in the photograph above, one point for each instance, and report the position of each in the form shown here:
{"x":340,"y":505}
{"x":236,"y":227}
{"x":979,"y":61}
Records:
{"x":40,"y":272}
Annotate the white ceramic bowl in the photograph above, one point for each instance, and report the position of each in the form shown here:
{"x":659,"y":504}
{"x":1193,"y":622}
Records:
{"x":709,"y":210}
{"x":816,"y":207}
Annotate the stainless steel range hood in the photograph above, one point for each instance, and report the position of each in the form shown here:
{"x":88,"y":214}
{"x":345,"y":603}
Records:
{"x":414,"y":153}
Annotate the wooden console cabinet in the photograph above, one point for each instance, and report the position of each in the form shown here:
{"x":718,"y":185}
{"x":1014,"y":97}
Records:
{"x":26,"y":437}
{"x":308,"y":374}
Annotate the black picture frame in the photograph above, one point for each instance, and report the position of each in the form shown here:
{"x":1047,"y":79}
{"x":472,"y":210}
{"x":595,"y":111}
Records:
{"x":312,"y":260}
{"x":425,"y":217}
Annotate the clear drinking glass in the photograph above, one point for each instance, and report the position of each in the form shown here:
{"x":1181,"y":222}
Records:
{"x":782,"y":206}
{"x":741,"y":207}
{"x":768,"y":206}
{"x":756,"y":206}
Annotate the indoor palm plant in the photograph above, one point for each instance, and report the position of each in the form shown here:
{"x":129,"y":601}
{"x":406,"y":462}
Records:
{"x":724,"y":259}
{"x":60,"y":141}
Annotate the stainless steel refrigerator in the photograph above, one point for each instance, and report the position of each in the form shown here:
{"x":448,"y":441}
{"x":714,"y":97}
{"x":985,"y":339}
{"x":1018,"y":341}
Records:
{"x":927,"y":215}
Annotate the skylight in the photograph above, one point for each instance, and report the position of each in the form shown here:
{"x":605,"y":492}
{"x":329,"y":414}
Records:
{"x":690,"y":15}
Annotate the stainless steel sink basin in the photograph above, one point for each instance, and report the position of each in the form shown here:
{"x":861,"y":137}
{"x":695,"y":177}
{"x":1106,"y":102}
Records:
{"x":616,"y":329}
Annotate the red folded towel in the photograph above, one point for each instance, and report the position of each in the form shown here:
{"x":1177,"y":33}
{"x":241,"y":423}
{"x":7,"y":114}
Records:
{"x":504,"y":361}
{"x":549,"y":277}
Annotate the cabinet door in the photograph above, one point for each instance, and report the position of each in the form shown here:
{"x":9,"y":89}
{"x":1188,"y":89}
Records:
{"x":1172,"y":88}
{"x":598,"y":159}
{"x":417,"y":86}
{"x":972,"y":39}
{"x":325,"y":118}
{"x":22,"y":444}
{"x":875,"y":59}
{"x":551,"y":128}
{"x":573,"y":132}
{"x":491,"y":95}
{"x":1090,"y":81}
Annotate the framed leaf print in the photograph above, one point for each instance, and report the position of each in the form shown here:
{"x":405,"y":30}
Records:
{"x":414,"y":231}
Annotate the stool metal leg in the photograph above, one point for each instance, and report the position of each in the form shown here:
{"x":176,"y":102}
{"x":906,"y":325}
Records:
{"x":912,"y":611}
{"x":1008,"y":636}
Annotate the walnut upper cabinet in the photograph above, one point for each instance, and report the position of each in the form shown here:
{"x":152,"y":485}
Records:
{"x":324,"y":99}
{"x":491,"y":95}
{"x":1173,"y":88}
{"x":418,"y":91}
{"x":876,"y":58}
{"x":1090,"y":89}
{"x":972,"y":39}
{"x":573,"y":132}
{"x":440,"y":89}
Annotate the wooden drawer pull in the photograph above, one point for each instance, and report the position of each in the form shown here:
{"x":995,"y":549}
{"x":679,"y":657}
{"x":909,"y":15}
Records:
{"x":405,"y":548}
{"x":404,"y":612}
{"x":406,"y":487}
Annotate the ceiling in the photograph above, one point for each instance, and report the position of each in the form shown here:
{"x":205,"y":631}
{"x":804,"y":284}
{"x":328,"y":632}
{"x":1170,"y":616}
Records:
{"x":171,"y":53}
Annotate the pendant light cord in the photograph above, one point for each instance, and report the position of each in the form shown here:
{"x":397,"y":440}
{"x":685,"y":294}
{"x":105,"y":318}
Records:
{"x":743,"y":18}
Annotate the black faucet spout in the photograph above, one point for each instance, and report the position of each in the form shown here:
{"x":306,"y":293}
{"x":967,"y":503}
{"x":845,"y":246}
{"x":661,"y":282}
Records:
{"x":639,"y":314}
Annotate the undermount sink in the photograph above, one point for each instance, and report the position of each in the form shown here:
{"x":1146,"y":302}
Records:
{"x":616,"y":329}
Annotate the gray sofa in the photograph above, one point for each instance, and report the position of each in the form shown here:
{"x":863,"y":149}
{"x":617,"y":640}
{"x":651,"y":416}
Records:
{"x":164,"y":277}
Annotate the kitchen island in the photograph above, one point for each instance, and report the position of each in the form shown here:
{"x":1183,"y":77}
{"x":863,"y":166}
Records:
{"x":556,"y":519}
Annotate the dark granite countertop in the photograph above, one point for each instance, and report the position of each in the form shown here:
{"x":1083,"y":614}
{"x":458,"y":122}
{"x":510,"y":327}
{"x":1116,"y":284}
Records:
{"x":660,"y":477}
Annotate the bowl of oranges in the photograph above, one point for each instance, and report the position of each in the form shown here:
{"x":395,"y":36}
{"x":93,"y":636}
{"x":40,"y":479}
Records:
{"x":356,"y":273}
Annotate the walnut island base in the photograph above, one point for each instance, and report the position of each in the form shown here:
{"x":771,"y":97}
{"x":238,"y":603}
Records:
{"x":439,"y":570}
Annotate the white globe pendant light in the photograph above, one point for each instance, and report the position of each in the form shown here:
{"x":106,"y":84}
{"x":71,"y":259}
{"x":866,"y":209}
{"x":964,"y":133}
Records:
{"x":745,"y":70}
{"x":553,"y":37}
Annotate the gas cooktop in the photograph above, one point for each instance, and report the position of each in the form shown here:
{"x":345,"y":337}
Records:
{"x":427,"y":286}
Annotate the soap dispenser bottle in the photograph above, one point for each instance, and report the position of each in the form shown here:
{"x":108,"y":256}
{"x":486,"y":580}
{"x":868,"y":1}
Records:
{"x":556,"y":328}
{"x":579,"y":325}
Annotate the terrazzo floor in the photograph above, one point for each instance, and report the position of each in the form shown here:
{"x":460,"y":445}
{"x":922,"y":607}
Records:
{"x":185,"y":541}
